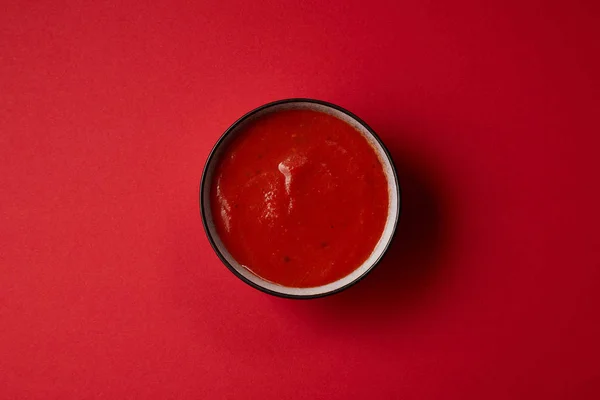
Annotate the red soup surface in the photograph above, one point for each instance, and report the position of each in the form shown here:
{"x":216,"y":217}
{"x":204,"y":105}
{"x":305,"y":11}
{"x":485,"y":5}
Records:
{"x":299,"y":198}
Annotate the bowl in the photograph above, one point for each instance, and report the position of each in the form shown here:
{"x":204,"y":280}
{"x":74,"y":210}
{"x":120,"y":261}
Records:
{"x":394,"y":203}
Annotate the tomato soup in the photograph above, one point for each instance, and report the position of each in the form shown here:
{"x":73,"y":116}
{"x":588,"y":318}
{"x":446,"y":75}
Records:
{"x":299,"y":198}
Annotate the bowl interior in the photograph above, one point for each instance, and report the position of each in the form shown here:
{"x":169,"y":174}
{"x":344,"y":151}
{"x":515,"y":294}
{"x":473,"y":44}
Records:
{"x":382,"y":244}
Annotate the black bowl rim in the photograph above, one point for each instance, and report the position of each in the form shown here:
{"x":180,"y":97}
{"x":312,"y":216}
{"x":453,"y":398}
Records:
{"x":231,"y":129}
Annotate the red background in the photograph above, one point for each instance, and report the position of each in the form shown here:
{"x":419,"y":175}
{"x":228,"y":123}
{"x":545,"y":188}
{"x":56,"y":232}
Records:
{"x":109,"y":288}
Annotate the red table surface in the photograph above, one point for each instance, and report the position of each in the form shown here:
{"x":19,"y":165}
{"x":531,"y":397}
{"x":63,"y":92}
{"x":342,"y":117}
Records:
{"x":108,"y":285}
